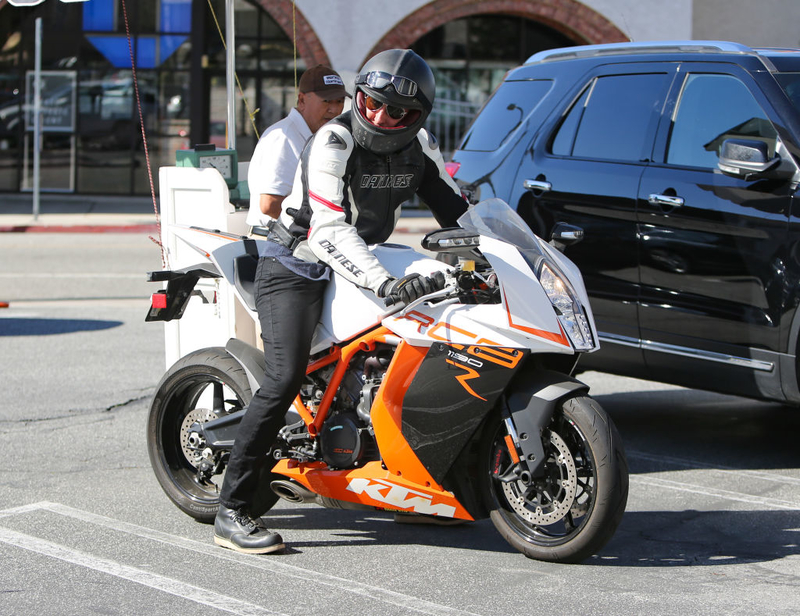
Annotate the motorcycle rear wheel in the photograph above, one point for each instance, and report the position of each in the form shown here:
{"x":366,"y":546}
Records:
{"x":573,"y":510}
{"x":188,"y":393}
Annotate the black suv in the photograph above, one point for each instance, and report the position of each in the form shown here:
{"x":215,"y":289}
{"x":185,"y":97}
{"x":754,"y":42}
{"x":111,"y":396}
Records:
{"x":681,"y":162}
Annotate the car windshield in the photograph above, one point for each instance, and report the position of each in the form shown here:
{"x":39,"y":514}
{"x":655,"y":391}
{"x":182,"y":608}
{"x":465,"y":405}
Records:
{"x":790,"y":82}
{"x":494,"y":218}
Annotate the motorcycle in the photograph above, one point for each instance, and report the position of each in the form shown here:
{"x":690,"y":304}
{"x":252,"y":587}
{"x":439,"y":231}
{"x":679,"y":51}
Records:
{"x":459,"y":404}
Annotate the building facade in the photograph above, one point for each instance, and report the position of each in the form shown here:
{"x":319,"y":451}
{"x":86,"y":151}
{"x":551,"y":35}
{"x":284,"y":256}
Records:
{"x":92,"y":125}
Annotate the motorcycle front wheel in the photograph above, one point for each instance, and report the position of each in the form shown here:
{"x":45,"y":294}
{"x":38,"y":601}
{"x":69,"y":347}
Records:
{"x":201,"y":386}
{"x":572,"y":509}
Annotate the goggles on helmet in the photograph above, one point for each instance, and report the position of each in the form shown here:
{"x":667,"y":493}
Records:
{"x":379,"y":80}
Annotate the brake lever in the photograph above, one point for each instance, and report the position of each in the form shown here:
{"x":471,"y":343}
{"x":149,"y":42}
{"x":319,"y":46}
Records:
{"x":443,"y":293}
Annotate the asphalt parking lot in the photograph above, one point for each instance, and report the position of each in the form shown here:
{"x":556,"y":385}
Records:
{"x":712,"y":524}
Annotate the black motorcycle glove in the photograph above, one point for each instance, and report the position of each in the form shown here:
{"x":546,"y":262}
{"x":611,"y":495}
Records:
{"x":410,"y":287}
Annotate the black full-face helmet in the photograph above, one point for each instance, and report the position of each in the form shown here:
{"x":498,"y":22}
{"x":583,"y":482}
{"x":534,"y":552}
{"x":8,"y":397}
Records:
{"x":397,"y":77}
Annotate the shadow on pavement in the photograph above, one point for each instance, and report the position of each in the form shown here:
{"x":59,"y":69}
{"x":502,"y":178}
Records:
{"x":30,"y":326}
{"x":643,"y":539}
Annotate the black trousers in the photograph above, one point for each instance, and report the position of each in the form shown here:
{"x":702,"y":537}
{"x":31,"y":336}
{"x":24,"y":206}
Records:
{"x":289,"y":307}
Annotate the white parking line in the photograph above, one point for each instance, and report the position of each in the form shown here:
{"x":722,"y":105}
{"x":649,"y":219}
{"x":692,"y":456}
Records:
{"x":685,"y":463}
{"x":132,"y":574}
{"x":270,"y":564}
{"x":681,"y":486}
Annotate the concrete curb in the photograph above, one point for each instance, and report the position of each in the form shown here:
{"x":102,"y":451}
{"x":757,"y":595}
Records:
{"x":100,"y":228}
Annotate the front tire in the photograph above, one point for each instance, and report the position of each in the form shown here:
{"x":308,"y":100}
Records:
{"x":201,"y":386}
{"x":574,"y":508}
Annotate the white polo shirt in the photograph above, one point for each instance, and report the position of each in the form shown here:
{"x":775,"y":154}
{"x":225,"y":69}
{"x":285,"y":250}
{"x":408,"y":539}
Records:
{"x":275,"y":162}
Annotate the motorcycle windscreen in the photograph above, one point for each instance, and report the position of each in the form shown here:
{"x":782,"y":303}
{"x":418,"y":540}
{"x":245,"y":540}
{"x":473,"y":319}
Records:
{"x":454,"y":389}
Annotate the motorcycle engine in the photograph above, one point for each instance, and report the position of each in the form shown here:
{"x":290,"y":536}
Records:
{"x":347,"y":436}
{"x":342,"y":441}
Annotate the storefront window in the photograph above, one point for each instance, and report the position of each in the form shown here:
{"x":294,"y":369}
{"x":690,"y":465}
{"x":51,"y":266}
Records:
{"x":102,"y":151}
{"x":11,"y":95}
{"x":469,"y":61}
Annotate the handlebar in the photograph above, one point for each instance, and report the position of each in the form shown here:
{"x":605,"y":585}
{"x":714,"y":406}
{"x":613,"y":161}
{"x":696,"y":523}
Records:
{"x":445,"y":293}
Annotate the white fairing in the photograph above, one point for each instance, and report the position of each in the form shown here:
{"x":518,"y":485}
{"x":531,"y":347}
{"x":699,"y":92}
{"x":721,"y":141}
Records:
{"x":349,"y":310}
{"x":524,"y":318}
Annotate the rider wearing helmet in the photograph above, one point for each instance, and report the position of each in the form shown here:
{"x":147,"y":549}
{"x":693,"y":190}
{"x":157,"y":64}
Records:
{"x":354,"y":174}
{"x":363,"y":165}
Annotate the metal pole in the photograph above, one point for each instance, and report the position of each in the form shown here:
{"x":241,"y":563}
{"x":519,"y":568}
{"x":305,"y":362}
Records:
{"x":230,"y":71}
{"x":37,"y":115}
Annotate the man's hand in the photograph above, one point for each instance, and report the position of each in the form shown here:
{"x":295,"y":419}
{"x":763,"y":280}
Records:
{"x":410,"y":287}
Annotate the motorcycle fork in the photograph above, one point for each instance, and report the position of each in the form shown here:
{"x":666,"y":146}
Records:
{"x":524,"y":464}
{"x":343,"y":355}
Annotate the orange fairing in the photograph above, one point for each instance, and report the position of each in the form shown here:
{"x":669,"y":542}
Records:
{"x":374,"y":486}
{"x":400,"y":481}
{"x":387,"y":410}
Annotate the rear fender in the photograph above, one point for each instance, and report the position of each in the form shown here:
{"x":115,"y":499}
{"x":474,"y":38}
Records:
{"x":530,"y":405}
{"x":252,"y":361}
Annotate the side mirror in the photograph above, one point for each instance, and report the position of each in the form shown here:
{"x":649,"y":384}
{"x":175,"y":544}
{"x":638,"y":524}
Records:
{"x":744,"y":157}
{"x":564,"y":235}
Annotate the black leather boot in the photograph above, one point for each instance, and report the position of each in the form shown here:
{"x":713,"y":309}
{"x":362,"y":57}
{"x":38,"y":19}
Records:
{"x":235,"y":529}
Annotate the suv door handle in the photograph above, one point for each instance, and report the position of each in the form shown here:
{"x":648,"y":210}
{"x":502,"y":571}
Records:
{"x":539,"y":185}
{"x":666,"y":200}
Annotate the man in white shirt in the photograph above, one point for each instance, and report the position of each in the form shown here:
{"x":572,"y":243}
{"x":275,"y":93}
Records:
{"x":272,"y":168}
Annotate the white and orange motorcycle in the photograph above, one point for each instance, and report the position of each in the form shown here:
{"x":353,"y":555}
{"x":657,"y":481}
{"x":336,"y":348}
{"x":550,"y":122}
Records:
{"x":459,"y":405}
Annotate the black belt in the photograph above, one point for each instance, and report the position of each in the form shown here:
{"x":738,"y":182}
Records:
{"x":276,"y":232}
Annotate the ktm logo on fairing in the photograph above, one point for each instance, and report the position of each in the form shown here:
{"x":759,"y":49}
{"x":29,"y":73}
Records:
{"x":399,"y":497}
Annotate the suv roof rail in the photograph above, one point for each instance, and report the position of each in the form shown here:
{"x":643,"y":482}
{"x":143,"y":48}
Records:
{"x":588,"y":51}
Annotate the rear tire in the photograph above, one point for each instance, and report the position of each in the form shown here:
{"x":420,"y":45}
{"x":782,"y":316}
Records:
{"x":186,"y":395}
{"x":573,"y":510}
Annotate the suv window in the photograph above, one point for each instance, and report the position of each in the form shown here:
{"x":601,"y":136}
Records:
{"x":712,"y":108}
{"x":790,"y":82}
{"x":503,"y":113}
{"x":613,"y":118}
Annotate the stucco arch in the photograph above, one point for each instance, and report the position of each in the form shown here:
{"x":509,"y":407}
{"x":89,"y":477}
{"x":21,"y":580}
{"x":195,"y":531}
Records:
{"x":573,"y":19}
{"x":308,"y":44}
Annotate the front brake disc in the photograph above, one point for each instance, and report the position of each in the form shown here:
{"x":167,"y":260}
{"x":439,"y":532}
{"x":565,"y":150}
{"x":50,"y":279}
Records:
{"x":550,"y":504}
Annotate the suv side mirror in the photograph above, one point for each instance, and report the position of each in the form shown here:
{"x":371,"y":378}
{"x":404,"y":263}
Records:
{"x":564,"y":235}
{"x":744,"y":157}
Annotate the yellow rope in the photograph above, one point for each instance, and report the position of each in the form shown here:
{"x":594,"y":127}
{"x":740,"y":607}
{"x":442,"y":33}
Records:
{"x":251,"y":114}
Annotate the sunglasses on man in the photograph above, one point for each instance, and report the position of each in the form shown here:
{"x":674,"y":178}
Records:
{"x":393,"y":111}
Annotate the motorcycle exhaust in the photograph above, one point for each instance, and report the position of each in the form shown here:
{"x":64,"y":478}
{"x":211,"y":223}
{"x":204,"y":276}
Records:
{"x":292,"y":491}
{"x":296,"y":493}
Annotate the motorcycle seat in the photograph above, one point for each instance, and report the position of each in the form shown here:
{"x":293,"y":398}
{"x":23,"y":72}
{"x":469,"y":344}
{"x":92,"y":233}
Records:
{"x":244,"y":276}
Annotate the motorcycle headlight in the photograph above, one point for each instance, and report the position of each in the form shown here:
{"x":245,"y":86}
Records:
{"x":569,"y":311}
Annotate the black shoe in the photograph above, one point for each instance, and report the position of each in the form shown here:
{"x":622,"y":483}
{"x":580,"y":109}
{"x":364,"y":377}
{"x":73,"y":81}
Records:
{"x":238,"y":531}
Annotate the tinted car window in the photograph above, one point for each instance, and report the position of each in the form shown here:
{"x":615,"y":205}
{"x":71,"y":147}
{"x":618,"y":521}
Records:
{"x":503,"y":113}
{"x":790,"y":82}
{"x":565,"y":137}
{"x":713,"y":108}
{"x":612,"y":119}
